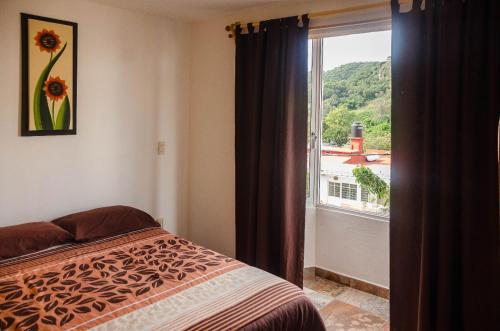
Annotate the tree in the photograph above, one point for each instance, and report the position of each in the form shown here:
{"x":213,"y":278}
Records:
{"x":358,"y":91}
{"x":337,"y":126}
{"x":373,"y":183}
{"x":378,"y":136}
{"x":380,"y":141}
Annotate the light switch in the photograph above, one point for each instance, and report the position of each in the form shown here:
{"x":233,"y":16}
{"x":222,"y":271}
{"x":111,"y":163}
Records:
{"x":161,"y":148}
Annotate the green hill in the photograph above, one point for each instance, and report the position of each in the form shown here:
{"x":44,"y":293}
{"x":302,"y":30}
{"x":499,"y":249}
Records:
{"x":358,"y":91}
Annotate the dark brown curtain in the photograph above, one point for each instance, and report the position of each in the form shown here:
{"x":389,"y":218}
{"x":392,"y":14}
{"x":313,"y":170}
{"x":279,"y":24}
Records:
{"x":271,"y":146}
{"x":444,"y":189}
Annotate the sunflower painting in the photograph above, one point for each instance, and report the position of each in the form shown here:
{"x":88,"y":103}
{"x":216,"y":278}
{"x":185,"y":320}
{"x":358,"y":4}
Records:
{"x":48,"y":76}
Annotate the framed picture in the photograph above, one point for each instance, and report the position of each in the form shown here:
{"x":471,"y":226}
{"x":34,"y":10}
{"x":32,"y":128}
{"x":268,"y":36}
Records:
{"x":49,"y":57}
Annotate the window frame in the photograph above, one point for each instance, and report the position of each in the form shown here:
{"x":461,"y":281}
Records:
{"x":317,"y":110}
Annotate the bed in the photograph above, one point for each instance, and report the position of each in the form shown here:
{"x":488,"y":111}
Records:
{"x":146,"y":279}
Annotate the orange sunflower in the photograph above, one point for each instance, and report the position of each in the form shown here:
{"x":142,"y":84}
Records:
{"x":55,"y":88}
{"x":48,"y":41}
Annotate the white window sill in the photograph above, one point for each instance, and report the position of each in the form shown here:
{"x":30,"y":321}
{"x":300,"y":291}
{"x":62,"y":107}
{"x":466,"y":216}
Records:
{"x":362,"y":215}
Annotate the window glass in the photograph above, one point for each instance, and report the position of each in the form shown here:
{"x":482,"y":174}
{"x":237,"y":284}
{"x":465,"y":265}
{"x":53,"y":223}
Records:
{"x":355,"y":156}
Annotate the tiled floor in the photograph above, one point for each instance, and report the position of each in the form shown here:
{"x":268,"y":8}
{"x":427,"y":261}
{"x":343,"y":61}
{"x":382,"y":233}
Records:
{"x":347,"y":309}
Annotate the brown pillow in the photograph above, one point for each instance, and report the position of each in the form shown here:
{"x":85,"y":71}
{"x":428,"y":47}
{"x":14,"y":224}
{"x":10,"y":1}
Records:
{"x":27,"y":238}
{"x":105,"y":222}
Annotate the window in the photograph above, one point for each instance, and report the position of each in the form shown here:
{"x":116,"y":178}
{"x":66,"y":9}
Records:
{"x":334,"y":189}
{"x":350,"y":120}
{"x":364,"y":194}
{"x":349,"y":191}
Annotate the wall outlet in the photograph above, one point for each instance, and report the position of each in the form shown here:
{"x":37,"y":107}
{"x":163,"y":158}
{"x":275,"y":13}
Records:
{"x":161,"y":221}
{"x":161,"y":148}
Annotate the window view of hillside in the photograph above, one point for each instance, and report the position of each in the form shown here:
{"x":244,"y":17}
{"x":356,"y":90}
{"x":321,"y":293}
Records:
{"x":358,"y":92}
{"x":355,"y":122}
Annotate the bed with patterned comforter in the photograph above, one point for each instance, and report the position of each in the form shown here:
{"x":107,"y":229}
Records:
{"x":146,"y":280}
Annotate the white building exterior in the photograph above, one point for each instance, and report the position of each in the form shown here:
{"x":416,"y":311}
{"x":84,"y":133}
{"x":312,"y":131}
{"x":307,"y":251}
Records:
{"x":338,"y":185}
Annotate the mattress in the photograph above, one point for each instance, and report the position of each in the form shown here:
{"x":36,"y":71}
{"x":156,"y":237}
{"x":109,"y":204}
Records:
{"x":146,"y":280}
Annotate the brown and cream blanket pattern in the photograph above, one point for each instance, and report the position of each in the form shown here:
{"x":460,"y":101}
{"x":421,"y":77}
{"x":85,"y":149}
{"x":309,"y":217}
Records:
{"x":145,"y":280}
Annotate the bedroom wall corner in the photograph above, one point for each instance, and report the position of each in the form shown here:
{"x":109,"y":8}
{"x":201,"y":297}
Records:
{"x":172,"y":168}
{"x":310,"y":238}
{"x":211,"y":171}
{"x":132,"y":92}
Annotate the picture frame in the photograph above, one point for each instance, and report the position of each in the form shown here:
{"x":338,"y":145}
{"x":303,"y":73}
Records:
{"x":49,"y":51}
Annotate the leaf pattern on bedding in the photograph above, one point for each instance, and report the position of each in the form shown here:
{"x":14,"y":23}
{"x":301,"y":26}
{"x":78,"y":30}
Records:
{"x":91,"y":285}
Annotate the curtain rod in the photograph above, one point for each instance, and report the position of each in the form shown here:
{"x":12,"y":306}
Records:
{"x":232,"y":28}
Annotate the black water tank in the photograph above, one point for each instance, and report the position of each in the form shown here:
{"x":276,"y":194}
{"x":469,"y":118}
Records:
{"x":356,"y":130}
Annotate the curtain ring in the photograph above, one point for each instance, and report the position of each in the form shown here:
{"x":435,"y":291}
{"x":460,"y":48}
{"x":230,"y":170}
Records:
{"x":417,"y":4}
{"x":395,"y":6}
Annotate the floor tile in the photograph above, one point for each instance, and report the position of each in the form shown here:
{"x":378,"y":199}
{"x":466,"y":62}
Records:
{"x":325,"y":286}
{"x":347,"y":309}
{"x":340,"y":316}
{"x":366,"y":301}
{"x":319,"y":300}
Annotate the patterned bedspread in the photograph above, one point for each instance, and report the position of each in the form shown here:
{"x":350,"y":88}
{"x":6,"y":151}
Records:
{"x":145,"y":280}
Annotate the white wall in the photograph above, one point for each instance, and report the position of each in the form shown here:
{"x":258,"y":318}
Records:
{"x":133,"y":78}
{"x":352,"y":245}
{"x":310,"y":238}
{"x":211,"y":197}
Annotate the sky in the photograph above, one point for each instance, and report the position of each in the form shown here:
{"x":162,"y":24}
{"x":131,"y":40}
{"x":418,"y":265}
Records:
{"x":363,"y":47}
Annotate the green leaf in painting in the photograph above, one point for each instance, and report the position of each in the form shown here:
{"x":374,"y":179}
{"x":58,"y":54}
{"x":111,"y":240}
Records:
{"x":64,"y":115}
{"x":41,"y":112}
